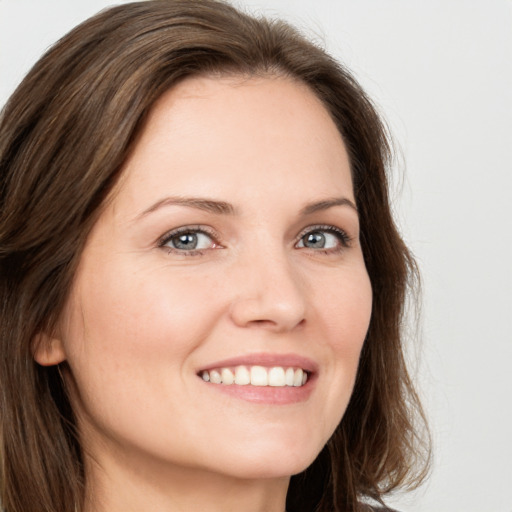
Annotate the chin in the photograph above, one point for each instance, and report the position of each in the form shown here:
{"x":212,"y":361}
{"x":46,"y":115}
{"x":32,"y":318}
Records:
{"x":271,"y":461}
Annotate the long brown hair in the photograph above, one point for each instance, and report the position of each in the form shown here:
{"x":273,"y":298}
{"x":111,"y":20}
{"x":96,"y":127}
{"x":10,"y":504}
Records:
{"x":64,"y":136}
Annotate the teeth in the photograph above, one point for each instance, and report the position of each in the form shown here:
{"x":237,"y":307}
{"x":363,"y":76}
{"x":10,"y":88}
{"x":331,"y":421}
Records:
{"x":227,"y":376}
{"x":215,"y":377}
{"x":297,"y":378}
{"x":259,"y":376}
{"x":242,"y":376}
{"x":277,"y":376}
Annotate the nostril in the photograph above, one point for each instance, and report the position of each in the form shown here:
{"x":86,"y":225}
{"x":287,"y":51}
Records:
{"x":268,"y":312}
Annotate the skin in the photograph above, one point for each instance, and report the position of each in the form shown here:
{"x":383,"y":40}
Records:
{"x":143,"y":319}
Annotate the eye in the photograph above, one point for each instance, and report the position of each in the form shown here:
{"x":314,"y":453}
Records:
{"x":188,"y":240}
{"x":326,"y":238}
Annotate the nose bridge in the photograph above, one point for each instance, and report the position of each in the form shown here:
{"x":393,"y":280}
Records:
{"x":270,"y":291}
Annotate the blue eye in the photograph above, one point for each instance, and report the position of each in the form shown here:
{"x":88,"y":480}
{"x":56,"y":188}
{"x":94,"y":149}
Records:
{"x":324,"y":238}
{"x":188,"y":239}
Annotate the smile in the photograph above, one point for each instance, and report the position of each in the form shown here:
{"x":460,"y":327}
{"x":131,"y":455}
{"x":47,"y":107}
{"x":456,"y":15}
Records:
{"x":275,"y":376}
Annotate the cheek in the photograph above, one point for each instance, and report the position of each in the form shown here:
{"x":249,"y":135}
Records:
{"x":132,"y":332}
{"x":128,"y":338}
{"x":346,"y":316}
{"x":138,"y":310}
{"x":346,"y":310}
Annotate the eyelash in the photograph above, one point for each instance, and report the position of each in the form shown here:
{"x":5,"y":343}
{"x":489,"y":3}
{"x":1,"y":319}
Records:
{"x":342,"y":236}
{"x":344,"y":239}
{"x":185,"y":230}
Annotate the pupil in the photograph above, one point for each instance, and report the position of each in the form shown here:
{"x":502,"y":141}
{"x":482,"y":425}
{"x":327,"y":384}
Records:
{"x":315,"y":240}
{"x":186,"y":241}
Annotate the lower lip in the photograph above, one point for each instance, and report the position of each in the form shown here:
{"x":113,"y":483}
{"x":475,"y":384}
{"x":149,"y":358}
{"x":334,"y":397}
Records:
{"x":267,"y":394}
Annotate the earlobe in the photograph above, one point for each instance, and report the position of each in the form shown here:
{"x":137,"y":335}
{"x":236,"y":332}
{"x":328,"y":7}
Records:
{"x":47,"y":350}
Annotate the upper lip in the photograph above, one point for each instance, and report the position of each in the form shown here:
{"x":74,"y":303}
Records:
{"x":266,"y":359}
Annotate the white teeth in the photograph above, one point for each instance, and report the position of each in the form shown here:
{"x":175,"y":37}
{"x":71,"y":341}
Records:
{"x":297,"y":378}
{"x":259,"y":376}
{"x":242,"y":376}
{"x":277,"y":376}
{"x":227,"y":376}
{"x":215,"y":377}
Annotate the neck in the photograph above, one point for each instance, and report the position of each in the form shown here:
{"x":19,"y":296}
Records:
{"x":160,"y":488}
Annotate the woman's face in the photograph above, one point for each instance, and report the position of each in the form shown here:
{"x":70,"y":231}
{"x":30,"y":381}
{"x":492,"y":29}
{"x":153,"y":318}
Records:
{"x":230,"y":251}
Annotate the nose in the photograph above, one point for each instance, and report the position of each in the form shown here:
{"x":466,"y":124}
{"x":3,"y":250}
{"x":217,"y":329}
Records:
{"x":269,"y":295}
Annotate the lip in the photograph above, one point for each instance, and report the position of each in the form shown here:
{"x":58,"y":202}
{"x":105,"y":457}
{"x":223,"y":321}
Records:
{"x":268,"y":395}
{"x":267,"y":360}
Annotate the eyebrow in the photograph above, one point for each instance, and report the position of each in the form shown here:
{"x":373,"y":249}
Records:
{"x":326,"y":204}
{"x":207,"y":205}
{"x":224,"y":208}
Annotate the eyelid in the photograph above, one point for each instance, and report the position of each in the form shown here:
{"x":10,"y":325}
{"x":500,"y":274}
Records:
{"x":345,"y":238}
{"x":164,"y":239}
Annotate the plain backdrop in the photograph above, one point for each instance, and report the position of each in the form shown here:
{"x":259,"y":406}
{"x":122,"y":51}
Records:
{"x":441,"y":73}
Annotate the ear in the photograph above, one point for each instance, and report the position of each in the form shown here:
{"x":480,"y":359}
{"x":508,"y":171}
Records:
{"x":48,"y":351}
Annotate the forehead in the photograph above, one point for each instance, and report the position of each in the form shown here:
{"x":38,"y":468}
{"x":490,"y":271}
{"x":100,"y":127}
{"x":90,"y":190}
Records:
{"x":238,"y":133}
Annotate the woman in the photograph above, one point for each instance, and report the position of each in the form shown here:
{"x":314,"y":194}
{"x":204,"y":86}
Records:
{"x":202,"y":284}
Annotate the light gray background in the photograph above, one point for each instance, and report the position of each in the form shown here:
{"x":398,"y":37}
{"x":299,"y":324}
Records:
{"x":441,"y":73}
